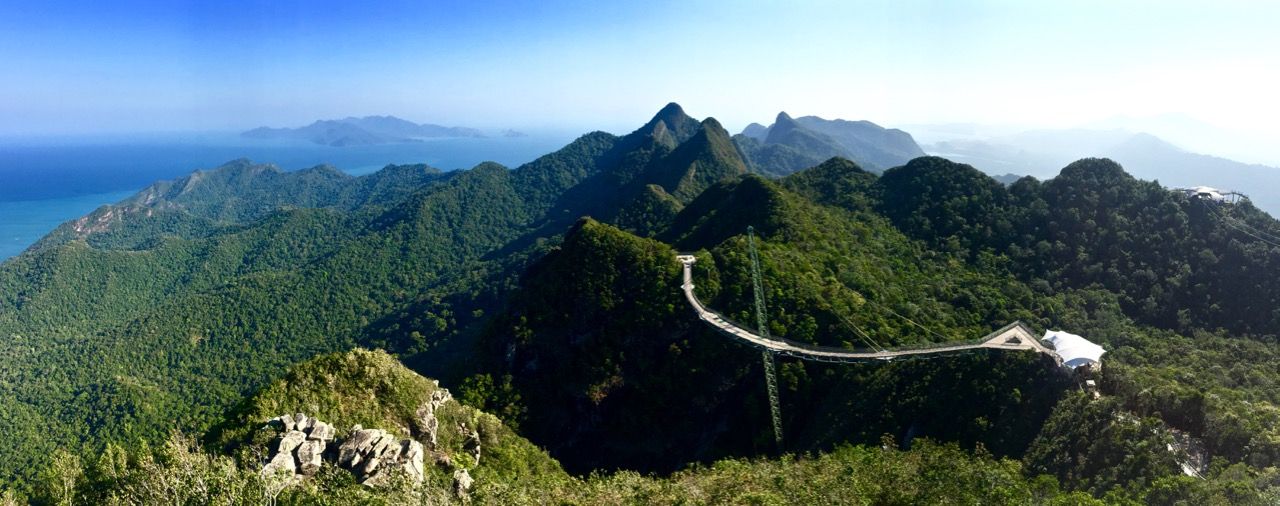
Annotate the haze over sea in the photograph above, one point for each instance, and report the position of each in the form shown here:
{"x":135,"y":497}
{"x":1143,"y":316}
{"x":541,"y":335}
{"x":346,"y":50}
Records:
{"x":47,"y":181}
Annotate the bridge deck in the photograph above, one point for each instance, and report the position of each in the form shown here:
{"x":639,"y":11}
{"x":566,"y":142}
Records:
{"x":1013,"y":337}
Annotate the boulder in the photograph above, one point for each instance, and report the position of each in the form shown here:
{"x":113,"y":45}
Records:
{"x":321,"y":431}
{"x":427,"y":423}
{"x":290,"y":441}
{"x":356,"y":446}
{"x":310,"y":456}
{"x":280,"y":466}
{"x":462,"y":482}
{"x":374,"y":456}
{"x":425,"y":420}
{"x":411,"y":453}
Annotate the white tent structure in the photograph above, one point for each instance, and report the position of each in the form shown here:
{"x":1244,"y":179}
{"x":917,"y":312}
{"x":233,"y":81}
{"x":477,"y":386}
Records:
{"x":1074,"y":350}
{"x":1204,"y":192}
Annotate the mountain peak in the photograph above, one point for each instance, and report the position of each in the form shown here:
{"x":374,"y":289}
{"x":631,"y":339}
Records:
{"x":756,"y":131}
{"x":673,"y":120}
{"x":782,"y":128}
{"x":707,"y":157}
{"x":672,"y":109}
{"x":672,"y":115}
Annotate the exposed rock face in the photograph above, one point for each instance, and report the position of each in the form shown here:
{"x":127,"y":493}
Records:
{"x":374,"y":456}
{"x":300,"y":451}
{"x":425,"y":420}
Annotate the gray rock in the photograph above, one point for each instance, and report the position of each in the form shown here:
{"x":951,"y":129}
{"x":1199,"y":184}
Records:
{"x":375,"y":437}
{"x":302,"y":422}
{"x":425,"y":417}
{"x":427,"y":424}
{"x":288,"y":422}
{"x":472,"y":443}
{"x":411,"y":453}
{"x":290,"y":441}
{"x":357,"y":444}
{"x":281,"y":466}
{"x":321,"y":432}
{"x":462,"y":482}
{"x":275,"y":423}
{"x":310,"y":456}
{"x":388,"y":447}
{"x":375,"y":456}
{"x":440,"y":396}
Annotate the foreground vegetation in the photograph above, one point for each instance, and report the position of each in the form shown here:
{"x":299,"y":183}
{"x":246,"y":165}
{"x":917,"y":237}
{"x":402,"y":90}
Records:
{"x":372,"y":389}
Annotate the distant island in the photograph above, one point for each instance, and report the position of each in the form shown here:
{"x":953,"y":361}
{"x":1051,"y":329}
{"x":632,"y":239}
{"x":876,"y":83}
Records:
{"x":366,"y":131}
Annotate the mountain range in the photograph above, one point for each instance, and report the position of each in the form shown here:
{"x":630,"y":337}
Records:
{"x":789,"y":145}
{"x":365,"y":131}
{"x":1039,"y":152}
{"x":547,"y":299}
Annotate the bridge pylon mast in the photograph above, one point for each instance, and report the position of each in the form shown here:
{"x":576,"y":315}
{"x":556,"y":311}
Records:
{"x":767,"y":358}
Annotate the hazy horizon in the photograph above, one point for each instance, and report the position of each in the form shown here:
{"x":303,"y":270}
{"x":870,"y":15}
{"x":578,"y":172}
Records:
{"x":139,"y":67}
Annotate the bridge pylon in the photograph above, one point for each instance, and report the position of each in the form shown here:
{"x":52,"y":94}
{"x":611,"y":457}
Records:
{"x":767,"y":358}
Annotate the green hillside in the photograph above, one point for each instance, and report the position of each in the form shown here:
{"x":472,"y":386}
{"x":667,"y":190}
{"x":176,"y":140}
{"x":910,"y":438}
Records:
{"x":549,"y":296}
{"x":373,"y":390}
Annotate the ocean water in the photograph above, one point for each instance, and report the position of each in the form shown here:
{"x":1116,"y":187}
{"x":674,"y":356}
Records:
{"x":23,"y":222}
{"x":47,"y":181}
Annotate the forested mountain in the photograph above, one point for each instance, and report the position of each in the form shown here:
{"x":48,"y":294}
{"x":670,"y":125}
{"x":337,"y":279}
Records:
{"x":239,"y":192}
{"x":362,"y":131}
{"x":548,"y":295}
{"x":790,"y":145}
{"x":1042,"y":153}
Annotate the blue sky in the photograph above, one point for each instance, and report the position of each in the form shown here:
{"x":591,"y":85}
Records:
{"x":134,"y":66}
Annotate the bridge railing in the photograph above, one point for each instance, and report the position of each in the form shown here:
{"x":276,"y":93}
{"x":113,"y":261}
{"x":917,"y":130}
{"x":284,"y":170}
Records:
{"x":835,"y":349}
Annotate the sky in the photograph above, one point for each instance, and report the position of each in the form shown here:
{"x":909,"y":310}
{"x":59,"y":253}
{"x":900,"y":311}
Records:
{"x":135,"y":66}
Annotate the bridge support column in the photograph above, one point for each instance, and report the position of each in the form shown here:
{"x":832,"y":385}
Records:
{"x":775,"y":408}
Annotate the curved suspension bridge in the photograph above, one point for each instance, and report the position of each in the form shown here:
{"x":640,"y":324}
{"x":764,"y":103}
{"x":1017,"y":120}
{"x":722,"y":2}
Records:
{"x":1013,"y":337}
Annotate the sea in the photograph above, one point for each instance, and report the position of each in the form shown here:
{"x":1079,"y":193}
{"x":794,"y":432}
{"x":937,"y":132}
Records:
{"x":45,"y":181}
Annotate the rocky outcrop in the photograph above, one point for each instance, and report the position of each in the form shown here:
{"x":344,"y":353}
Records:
{"x":425,"y":420}
{"x":374,"y":456}
{"x":300,"y":449}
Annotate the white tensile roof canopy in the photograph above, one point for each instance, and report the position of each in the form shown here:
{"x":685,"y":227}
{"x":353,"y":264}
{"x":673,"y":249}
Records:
{"x":1074,"y":350}
{"x":1204,"y":192}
